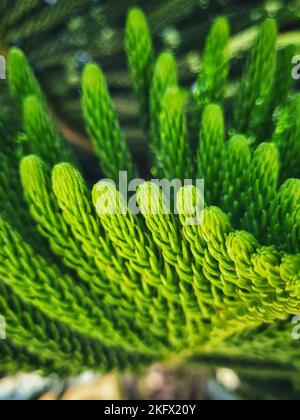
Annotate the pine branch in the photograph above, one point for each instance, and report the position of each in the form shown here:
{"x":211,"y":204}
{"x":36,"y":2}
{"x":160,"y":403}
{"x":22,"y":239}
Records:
{"x":263,"y":183}
{"x":16,"y":359}
{"x":211,"y":152}
{"x":273,"y":276}
{"x":154,"y":288}
{"x":44,"y":210}
{"x":165,"y":76}
{"x":22,"y":81}
{"x":12,"y":207}
{"x":238,"y":270}
{"x":283,"y":83}
{"x":284,"y":229}
{"x":73,"y":198}
{"x":236,"y":166}
{"x":115,"y":282}
{"x":103,"y":126}
{"x":73,"y":310}
{"x":262,"y":274}
{"x":276,"y":339}
{"x":214,"y":68}
{"x":36,"y":182}
{"x":139,"y":50}
{"x":39,"y":125}
{"x":189,"y":203}
{"x":287,"y":139}
{"x":165,"y":232}
{"x":21,"y":276}
{"x":51,"y":345}
{"x":173,"y":152}
{"x":258,"y":81}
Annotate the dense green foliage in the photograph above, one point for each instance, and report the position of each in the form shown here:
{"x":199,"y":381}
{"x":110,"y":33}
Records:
{"x":83,"y":287}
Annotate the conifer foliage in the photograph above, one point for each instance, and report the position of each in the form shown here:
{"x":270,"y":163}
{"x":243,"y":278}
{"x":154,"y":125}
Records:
{"x":87,"y":284}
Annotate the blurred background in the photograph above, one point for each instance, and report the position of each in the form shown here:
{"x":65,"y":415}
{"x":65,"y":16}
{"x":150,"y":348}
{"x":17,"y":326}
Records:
{"x":189,"y":382}
{"x":59,"y":37}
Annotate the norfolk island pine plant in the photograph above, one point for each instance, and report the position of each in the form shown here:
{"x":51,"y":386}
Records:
{"x":86,"y":289}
